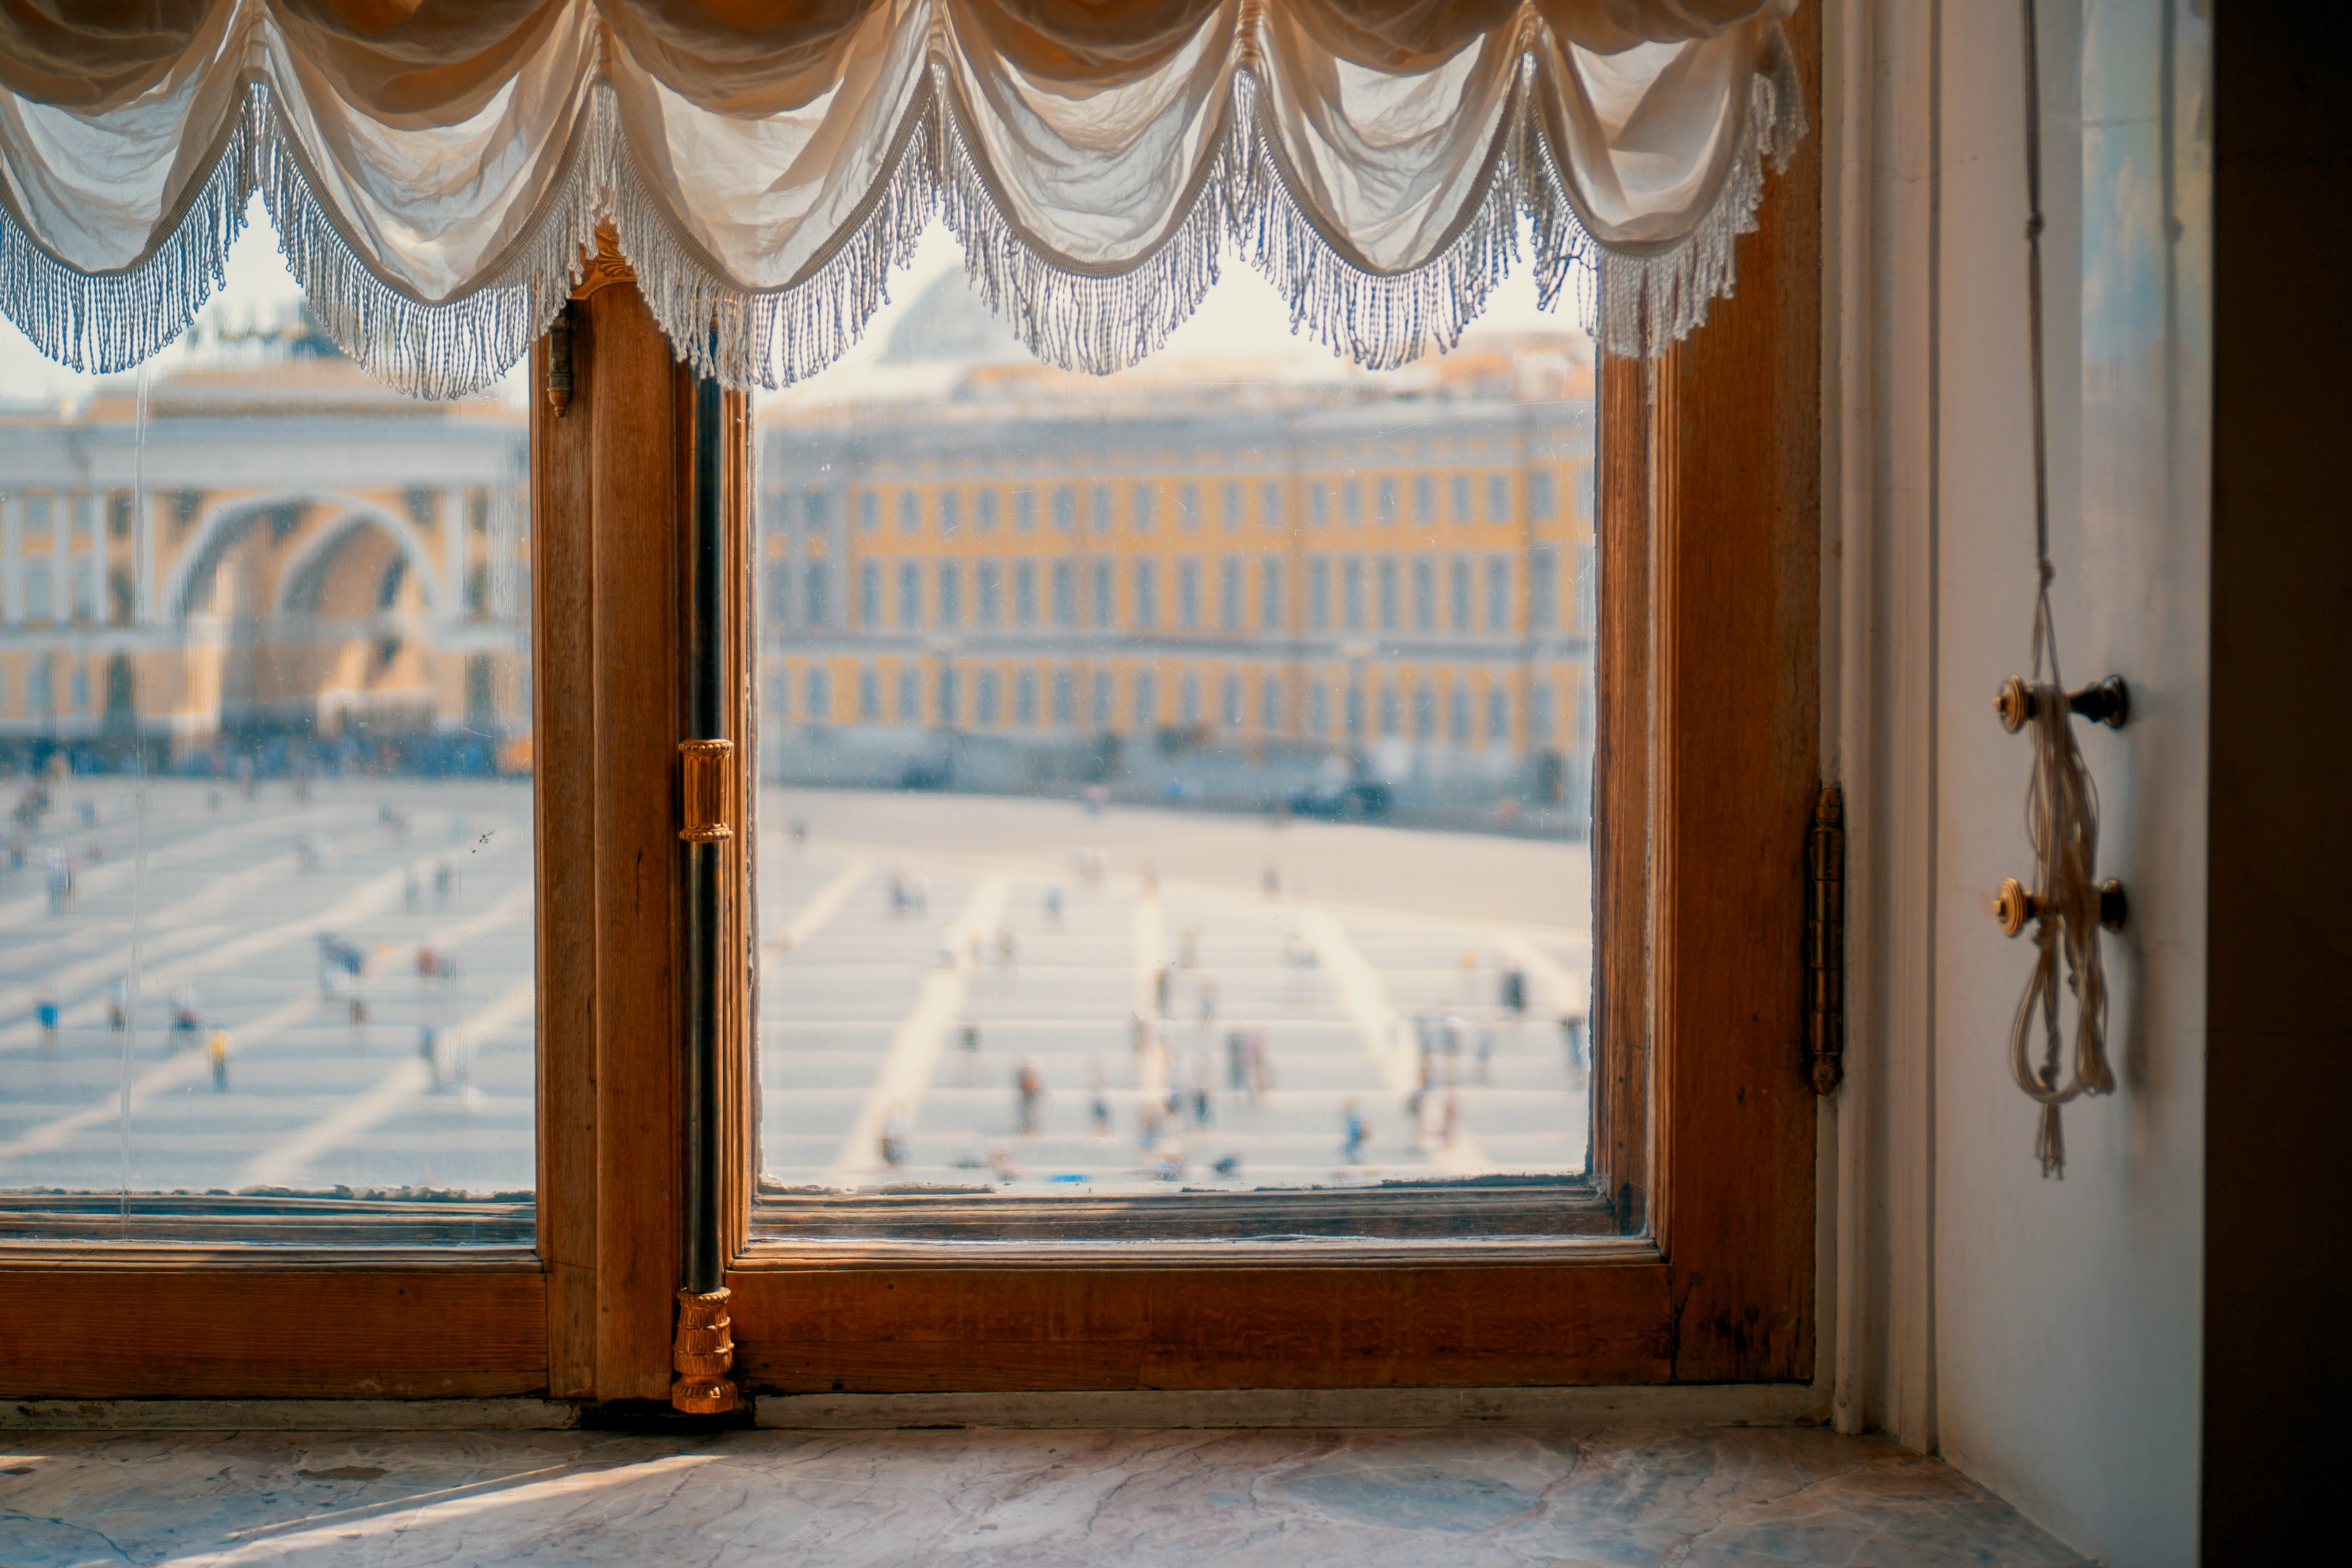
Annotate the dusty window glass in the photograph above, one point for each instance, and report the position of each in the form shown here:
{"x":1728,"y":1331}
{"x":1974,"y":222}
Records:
{"x":266,"y":890}
{"x":1243,"y":864}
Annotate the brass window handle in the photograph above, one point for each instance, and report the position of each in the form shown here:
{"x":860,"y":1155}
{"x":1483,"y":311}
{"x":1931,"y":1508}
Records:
{"x":703,"y":791}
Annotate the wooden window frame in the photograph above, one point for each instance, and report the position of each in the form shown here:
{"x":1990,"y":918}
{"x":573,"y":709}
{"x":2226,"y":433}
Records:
{"x":1703,"y":1159}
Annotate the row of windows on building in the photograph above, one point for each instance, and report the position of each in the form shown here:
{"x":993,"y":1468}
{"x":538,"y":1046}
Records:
{"x":1425,"y":594}
{"x":42,"y":684}
{"x":61,"y":589}
{"x":1353,"y":708}
{"x":1390,"y":498}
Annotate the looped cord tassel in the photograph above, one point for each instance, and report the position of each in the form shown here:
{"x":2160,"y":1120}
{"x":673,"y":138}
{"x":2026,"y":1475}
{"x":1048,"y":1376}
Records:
{"x":2049,"y":1147}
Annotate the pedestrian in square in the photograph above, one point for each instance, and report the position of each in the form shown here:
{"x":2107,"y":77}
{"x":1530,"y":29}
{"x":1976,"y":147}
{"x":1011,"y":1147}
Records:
{"x":219,"y":1051}
{"x":1031,"y":1089}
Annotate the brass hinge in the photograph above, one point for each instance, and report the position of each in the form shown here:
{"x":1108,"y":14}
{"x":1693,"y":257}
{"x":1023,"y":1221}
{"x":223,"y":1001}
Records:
{"x":1825,"y":940}
{"x":702,"y":790}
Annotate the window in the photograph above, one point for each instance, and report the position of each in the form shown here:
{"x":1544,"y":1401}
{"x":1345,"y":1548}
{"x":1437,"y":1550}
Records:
{"x":1102,"y":509}
{"x":40,"y":602}
{"x":1143,"y":502}
{"x":1352,"y":501}
{"x":817,"y":577}
{"x":1539,"y":494}
{"x":1425,"y":594}
{"x":1066,"y":698}
{"x":950,"y":512}
{"x":910,"y":596}
{"x":1458,"y":584}
{"x":1229,"y":592}
{"x":1318,"y":504}
{"x":1499,"y":717}
{"x":985,"y":504}
{"x":1188,"y":593}
{"x":1386,"y":492}
{"x":1499,"y":594}
{"x":1106,"y":597}
{"x":1499,"y":497}
{"x":1543,"y":573}
{"x":1459,"y":491}
{"x":1066,"y":594}
{"x":802,"y":1122}
{"x":988,"y":594}
{"x":1425,"y":498}
{"x":1024,"y":594}
{"x":1269,"y":505}
{"x":1188,"y":505}
{"x":911,"y":511}
{"x":951,"y":594}
{"x":1230,"y":492}
{"x":1066,"y":508}
{"x":1147,"y":595}
{"x":1024,"y":509}
{"x":1269,"y":593}
{"x":870,"y":510}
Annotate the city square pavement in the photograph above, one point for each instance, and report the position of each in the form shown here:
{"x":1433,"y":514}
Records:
{"x":1189,"y":997}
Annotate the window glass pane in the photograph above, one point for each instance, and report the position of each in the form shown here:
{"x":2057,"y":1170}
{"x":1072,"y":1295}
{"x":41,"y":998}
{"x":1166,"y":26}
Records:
{"x":1267,"y":863}
{"x":266,"y":893}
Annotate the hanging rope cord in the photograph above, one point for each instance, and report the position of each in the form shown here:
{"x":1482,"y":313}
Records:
{"x":2062,"y":803}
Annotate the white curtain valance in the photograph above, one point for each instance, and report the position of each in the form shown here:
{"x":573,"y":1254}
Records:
{"x":435,"y":167}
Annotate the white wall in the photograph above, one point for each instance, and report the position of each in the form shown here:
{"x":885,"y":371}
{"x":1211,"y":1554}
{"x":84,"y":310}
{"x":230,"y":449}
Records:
{"x":2043,"y":1334}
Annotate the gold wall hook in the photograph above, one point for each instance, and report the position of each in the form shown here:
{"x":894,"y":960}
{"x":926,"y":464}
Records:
{"x":2012,"y":906}
{"x":2109,"y":702}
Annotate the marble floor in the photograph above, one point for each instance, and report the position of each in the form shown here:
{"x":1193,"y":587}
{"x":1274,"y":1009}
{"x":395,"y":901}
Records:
{"x":1777,"y":1495}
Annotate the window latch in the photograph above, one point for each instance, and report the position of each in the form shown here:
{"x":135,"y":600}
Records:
{"x":703,"y":791}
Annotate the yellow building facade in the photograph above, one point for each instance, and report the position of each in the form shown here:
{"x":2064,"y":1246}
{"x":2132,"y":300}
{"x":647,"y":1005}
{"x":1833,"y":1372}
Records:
{"x":1343,"y":573}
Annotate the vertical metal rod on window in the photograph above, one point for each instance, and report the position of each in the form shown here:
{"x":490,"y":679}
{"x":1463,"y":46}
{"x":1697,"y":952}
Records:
{"x":704,"y":1351}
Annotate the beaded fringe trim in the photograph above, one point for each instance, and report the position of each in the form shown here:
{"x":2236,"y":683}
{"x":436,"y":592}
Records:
{"x":1094,"y":321}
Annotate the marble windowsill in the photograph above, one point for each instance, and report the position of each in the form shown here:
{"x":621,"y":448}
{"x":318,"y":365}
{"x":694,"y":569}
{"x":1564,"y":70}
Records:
{"x":1614,"y":1495}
